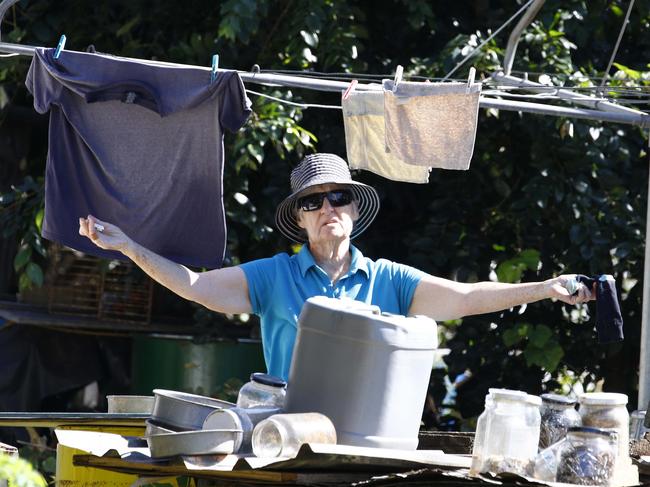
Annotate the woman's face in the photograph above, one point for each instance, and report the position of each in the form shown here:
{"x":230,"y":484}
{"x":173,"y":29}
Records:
{"x":327,"y":223}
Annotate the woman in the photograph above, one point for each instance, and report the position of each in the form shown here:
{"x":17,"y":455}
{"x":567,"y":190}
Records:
{"x":325,"y":210}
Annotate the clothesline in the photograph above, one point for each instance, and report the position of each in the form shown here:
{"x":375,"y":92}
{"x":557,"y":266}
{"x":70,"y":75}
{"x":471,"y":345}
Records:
{"x":347,"y":77}
{"x":631,"y":117}
{"x":293,"y":103}
{"x":638,"y":94}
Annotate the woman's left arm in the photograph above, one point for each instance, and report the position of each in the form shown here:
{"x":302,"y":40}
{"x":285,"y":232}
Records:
{"x":443,"y":299}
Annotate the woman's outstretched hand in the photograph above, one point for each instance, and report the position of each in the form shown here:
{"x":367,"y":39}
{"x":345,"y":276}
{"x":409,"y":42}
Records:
{"x":561,"y":286}
{"x":103,"y":234}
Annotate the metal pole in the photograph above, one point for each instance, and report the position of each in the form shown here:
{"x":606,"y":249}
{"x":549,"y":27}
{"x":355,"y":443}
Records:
{"x":578,"y":98}
{"x":644,"y":360}
{"x":641,"y":119}
{"x":4,"y":6}
{"x":513,"y":40}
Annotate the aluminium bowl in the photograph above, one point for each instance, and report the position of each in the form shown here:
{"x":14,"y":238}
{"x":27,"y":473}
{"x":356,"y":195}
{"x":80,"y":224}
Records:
{"x":184,"y":411}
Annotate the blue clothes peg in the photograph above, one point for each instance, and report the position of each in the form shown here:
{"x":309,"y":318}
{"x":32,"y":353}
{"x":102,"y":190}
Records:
{"x":59,"y":47}
{"x":215,"y":66}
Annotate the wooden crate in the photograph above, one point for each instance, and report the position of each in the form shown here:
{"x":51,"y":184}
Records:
{"x":84,"y":285}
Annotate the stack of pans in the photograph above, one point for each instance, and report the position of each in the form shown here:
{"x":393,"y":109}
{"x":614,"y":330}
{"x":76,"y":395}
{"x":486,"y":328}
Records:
{"x":176,"y":426}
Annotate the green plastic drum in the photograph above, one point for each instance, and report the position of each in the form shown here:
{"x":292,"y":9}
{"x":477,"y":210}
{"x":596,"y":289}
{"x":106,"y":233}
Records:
{"x":215,"y":368}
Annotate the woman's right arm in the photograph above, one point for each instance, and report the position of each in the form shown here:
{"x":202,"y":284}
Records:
{"x":224,"y":290}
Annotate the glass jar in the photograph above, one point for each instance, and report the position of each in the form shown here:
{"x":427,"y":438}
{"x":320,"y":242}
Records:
{"x":281,"y":435}
{"x":587,"y":457}
{"x":510,"y":442}
{"x":558,"y":414}
{"x":637,"y":427}
{"x":533,"y":417}
{"x":607,"y":410}
{"x":262,"y":390}
{"x":547,"y":460}
{"x":479,"y":436}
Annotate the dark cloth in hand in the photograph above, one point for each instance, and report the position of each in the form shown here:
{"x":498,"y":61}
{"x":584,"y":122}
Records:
{"x":609,"y":322}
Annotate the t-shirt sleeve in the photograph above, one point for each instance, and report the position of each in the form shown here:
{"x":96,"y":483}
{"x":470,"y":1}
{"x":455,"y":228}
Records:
{"x":259,"y":276}
{"x":41,"y":84}
{"x":406,"y":279}
{"x":235,"y":105}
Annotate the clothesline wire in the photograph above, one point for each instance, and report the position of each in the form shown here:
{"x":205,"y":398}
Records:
{"x":636,"y":90}
{"x":557,"y":75}
{"x":293,"y":103}
{"x":545,"y":93}
{"x":372,"y":77}
{"x":350,"y":76}
{"x":618,"y":42}
{"x":488,"y":94}
{"x":544,"y":96}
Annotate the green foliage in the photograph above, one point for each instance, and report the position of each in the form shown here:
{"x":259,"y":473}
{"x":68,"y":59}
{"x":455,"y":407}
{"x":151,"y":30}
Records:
{"x":537,"y":343}
{"x":240,"y":19}
{"x":21,"y":215}
{"x":511,"y":270}
{"x":19,"y":472}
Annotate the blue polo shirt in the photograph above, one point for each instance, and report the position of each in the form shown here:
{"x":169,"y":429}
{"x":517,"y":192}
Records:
{"x":279,"y":286}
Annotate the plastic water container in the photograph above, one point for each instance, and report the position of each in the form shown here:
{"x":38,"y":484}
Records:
{"x":365,"y":370}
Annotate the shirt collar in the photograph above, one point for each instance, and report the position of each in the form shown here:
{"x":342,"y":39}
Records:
{"x":358,"y":262}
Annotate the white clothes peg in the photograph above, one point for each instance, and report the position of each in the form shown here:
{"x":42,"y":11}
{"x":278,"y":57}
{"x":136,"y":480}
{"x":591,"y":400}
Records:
{"x":470,"y":79}
{"x":398,"y":76}
{"x":350,"y":89}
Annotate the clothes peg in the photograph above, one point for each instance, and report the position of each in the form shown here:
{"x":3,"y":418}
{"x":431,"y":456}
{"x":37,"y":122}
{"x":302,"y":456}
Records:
{"x":60,"y":46}
{"x":215,"y":66}
{"x":350,"y":89}
{"x":470,"y":78}
{"x":398,"y":77}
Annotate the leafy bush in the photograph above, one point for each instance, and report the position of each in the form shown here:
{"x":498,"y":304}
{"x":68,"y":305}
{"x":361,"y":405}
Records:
{"x":19,"y":472}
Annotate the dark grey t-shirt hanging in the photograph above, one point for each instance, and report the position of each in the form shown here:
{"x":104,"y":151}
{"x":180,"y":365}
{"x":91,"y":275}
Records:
{"x":138,"y":144}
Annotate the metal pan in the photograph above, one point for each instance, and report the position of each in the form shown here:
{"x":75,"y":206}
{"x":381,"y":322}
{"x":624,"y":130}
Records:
{"x":239,"y":418}
{"x":157,"y":428}
{"x":194,"y":443}
{"x":130,"y":404}
{"x":184,"y":411}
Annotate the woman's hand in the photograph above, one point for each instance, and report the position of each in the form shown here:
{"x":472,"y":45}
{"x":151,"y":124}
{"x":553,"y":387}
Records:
{"x":103,"y":234}
{"x":560,"y":289}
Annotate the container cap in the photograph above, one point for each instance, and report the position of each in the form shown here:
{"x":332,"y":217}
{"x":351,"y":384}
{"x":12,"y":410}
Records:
{"x":508,"y":394}
{"x":558,"y":399}
{"x":534,"y":400}
{"x":269,"y":380}
{"x":603,"y":399}
{"x":589,"y":429}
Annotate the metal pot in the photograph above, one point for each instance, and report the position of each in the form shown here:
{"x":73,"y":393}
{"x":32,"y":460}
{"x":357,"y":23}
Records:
{"x":130,"y":404}
{"x":239,"y":418}
{"x":182,"y":410}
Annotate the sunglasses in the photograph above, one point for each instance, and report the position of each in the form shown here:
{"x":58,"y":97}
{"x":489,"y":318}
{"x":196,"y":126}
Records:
{"x":336,"y":197}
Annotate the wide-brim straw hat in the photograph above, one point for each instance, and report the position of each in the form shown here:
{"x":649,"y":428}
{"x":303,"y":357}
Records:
{"x":318,"y":169}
